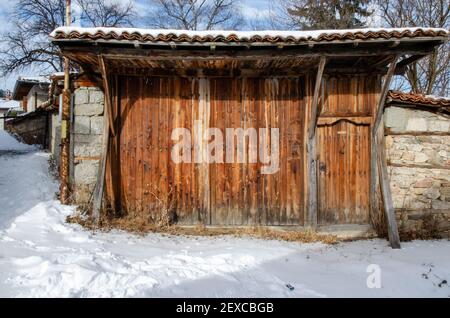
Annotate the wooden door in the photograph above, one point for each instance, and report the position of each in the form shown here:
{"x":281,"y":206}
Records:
{"x":223,"y":193}
{"x":343,"y":173}
{"x":240,"y":193}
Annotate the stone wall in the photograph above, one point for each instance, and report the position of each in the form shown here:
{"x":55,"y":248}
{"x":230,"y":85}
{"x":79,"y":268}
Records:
{"x":86,"y":141}
{"x":418,"y":154}
{"x":31,"y":128}
{"x":54,"y":143}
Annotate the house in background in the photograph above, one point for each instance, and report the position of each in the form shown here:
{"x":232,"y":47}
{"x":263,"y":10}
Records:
{"x":6,"y":106}
{"x":31,"y":92}
{"x":40,"y":124}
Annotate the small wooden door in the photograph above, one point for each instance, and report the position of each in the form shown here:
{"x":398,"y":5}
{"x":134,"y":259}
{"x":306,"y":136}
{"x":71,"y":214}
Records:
{"x":343,"y":173}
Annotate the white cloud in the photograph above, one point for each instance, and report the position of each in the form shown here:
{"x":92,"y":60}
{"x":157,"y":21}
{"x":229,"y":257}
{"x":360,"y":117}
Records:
{"x":255,"y":10}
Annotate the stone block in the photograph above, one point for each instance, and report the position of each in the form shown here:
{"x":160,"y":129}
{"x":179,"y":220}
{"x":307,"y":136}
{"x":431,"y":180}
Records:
{"x":90,"y":139}
{"x":439,"y":126}
{"x":432,"y":193}
{"x":424,"y":183}
{"x":91,"y":109}
{"x":82,"y":125}
{"x":97,"y":125}
{"x":81,"y":96}
{"x":417,"y":124}
{"x":96,"y":97}
{"x":85,"y":172}
{"x":408,"y":156}
{"x":87,"y":150}
{"x":396,"y":118}
{"x":438,"y":204}
{"x":82,"y":193}
{"x":421,"y":157}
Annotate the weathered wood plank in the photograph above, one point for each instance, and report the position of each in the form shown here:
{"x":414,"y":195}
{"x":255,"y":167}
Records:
{"x":312,"y":160}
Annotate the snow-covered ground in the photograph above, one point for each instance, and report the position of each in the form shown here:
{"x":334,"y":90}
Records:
{"x":42,"y":256}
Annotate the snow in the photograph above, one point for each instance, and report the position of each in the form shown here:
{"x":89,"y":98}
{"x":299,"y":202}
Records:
{"x":43,"y":256}
{"x":34,"y":79}
{"x":435,"y":97}
{"x":61,"y":74}
{"x":310,"y":35}
{"x":8,"y":104}
{"x":9,"y":143}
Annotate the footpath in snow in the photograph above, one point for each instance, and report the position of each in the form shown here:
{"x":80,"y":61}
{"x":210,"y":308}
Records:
{"x":42,"y":256}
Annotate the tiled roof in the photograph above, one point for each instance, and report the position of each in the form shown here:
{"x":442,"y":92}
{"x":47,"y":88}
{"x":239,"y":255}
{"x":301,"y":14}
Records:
{"x":151,"y":35}
{"x":412,"y":98}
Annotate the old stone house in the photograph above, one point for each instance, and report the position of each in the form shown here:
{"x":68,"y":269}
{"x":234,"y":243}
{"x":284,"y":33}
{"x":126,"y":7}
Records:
{"x":31,"y":92}
{"x":6,"y":105}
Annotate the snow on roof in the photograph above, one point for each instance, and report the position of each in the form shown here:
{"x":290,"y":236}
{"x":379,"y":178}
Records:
{"x":154,"y":35}
{"x":61,"y":74}
{"x":34,"y":79}
{"x":9,"y":103}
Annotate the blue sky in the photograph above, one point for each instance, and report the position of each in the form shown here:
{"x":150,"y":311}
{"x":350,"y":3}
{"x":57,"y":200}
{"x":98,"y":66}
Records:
{"x":251,"y":9}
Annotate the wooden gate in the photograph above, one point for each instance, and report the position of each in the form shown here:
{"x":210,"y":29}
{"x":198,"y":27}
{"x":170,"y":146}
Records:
{"x":219,"y":193}
{"x":344,"y":173}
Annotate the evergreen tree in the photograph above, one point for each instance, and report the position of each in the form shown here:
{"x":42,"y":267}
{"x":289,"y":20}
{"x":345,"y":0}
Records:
{"x":327,"y":14}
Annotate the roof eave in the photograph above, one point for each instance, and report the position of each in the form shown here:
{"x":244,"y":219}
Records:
{"x":438,"y":39}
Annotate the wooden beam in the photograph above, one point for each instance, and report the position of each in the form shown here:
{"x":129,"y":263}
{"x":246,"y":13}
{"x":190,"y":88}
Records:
{"x":152,"y":54}
{"x":383,"y":94}
{"x":100,"y":184}
{"x":108,"y":126}
{"x":378,"y":162}
{"x":107,"y":93}
{"x":401,"y":66}
{"x":311,"y":155}
{"x":420,"y":166}
{"x":394,"y":237}
{"x":315,"y":112}
{"x":390,"y":132}
{"x":409,"y":60}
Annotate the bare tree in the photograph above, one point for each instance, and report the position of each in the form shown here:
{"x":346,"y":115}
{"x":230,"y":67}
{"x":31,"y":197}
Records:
{"x":195,"y":14}
{"x":27,"y":44}
{"x":323,"y":14}
{"x":107,"y":13}
{"x":430,"y":75}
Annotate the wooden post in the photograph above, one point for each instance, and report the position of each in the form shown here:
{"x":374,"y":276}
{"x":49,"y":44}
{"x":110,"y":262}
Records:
{"x":65,"y":121}
{"x":108,"y":126}
{"x":312,"y":158}
{"x":393,"y":235}
{"x":378,"y":162}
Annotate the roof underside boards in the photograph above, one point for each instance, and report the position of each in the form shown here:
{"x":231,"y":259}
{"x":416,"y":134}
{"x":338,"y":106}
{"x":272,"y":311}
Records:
{"x":362,"y":49}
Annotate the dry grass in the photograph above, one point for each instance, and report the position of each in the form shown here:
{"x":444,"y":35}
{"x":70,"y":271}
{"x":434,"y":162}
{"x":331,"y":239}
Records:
{"x":142,"y":226}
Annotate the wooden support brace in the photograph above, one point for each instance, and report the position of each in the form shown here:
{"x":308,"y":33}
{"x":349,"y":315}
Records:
{"x":108,"y":126}
{"x":312,"y":160}
{"x":107,"y":92}
{"x":378,"y":162}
